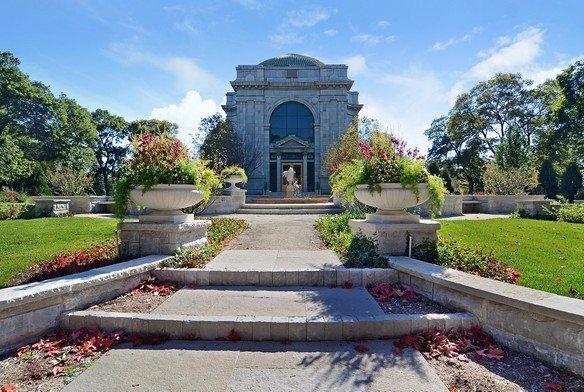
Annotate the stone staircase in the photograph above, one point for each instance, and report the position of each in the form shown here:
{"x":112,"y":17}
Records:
{"x":289,"y":208}
{"x":280,"y":297}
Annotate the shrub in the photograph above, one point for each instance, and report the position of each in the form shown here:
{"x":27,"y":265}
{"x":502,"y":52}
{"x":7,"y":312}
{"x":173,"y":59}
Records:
{"x":9,"y":196}
{"x":571,"y":181}
{"x":355,"y":251}
{"x":509,"y":181}
{"x":68,"y":181}
{"x":573,"y":213}
{"x":451,"y":255}
{"x":548,"y":178}
{"x":16,"y":211}
{"x":161,"y":160}
{"x":71,"y":263}
{"x":382,"y":164}
{"x":233,"y":171}
{"x":221,"y":231}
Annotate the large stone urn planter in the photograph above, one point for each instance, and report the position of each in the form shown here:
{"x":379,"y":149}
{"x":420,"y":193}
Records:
{"x":166,"y":201}
{"x":163,"y":228}
{"x":394,"y":229}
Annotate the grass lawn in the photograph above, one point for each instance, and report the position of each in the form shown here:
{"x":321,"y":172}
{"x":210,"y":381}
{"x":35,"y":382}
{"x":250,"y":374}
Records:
{"x":26,"y":242}
{"x":549,"y":255}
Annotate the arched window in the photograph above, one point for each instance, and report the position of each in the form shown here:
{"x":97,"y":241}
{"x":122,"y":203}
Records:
{"x":292,"y":118}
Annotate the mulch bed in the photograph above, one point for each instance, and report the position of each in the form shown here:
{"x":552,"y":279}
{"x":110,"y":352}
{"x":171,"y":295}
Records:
{"x":146,"y":297}
{"x":400,"y":299}
{"x":514,"y":372}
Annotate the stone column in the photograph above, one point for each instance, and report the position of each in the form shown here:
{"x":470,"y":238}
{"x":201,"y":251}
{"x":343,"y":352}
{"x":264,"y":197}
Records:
{"x":304,"y":172}
{"x":279,"y":171}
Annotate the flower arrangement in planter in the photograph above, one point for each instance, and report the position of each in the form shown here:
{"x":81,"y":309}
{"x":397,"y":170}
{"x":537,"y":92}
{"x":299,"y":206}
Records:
{"x":161,"y":175}
{"x":390,"y":178}
{"x":233,"y":175}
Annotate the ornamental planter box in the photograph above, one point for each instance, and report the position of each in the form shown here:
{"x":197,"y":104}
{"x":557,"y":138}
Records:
{"x":391,"y":226}
{"x":163,"y":228}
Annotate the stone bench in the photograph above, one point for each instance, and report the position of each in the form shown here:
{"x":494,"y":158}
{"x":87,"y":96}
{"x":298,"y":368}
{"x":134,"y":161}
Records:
{"x":471,"y":206}
{"x":105,"y":207}
{"x":49,"y":206}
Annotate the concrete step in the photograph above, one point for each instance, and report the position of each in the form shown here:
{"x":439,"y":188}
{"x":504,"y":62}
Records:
{"x":289,"y":209}
{"x":268,"y":313}
{"x":330,"y":277}
{"x":259,"y":367}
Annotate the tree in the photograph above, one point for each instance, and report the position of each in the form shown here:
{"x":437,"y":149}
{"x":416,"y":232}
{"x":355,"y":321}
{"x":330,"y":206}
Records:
{"x":548,"y":179}
{"x":513,"y":150}
{"x":571,"y":181}
{"x":433,"y":168}
{"x":152,"y":126}
{"x":346,"y":149}
{"x":110,"y":147}
{"x":510,"y":181}
{"x":13,"y":163}
{"x":445,"y":175}
{"x":456,"y":145}
{"x":569,"y":111}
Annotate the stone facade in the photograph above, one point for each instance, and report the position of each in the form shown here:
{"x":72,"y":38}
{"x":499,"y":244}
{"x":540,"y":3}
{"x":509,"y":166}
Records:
{"x":260,"y":89}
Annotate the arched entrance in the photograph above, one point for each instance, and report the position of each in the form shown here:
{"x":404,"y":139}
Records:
{"x":292,"y":145}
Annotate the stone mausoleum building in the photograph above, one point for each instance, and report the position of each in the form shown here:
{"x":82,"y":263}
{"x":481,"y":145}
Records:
{"x":289,"y":110}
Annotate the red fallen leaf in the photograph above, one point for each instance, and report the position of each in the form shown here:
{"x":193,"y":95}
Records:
{"x":58,"y":370}
{"x":452,"y":389}
{"x":553,"y":386}
{"x":361,"y":348}
{"x":8,"y":388}
{"x":462,"y":358}
{"x":347,"y":285}
{"x":192,"y":286}
{"x":493,"y":353}
{"x":233,"y":336}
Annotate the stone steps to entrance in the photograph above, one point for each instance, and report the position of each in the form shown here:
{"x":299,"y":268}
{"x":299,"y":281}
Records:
{"x":289,"y":209}
{"x":269,"y":313}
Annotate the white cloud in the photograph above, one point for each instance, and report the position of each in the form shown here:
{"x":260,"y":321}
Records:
{"x":307,"y":17}
{"x":442,"y":45}
{"x":187,"y":114}
{"x":383,"y":24}
{"x":285,"y":38}
{"x":330,"y":32}
{"x":251,"y":4}
{"x":372,"y":39}
{"x":186,"y":71}
{"x":357,"y":64}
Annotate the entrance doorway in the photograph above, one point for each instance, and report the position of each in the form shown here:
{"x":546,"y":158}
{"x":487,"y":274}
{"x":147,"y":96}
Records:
{"x":297,"y":167}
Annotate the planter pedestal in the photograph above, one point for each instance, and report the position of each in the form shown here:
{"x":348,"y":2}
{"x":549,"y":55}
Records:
{"x":391,"y":231}
{"x":139,"y":239}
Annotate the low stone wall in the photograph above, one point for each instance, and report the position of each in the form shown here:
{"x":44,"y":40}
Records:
{"x":547,"y":326}
{"x":500,"y":204}
{"x":29,"y":311}
{"x":78,"y":204}
{"x":452,"y":207}
{"x":537,"y":208}
{"x":225,"y":204}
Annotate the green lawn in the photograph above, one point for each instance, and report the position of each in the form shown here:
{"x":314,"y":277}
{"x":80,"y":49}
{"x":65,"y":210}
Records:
{"x":549,"y":255}
{"x":26,"y":242}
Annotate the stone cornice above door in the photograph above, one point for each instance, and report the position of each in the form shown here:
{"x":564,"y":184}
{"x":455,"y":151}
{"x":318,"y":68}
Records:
{"x":291,"y":143}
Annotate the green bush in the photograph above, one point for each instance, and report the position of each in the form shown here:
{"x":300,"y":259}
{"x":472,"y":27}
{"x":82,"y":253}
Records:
{"x":16,"y":211}
{"x":451,"y":255}
{"x":573,"y":213}
{"x":233,"y":170}
{"x":355,"y":251}
{"x":13,"y":197}
{"x":221,"y":231}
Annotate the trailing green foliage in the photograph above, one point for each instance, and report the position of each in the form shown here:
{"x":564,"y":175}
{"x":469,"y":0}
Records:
{"x":452,"y":255}
{"x":221,"y":231}
{"x":233,"y":170}
{"x":355,"y":251}
{"x":161,"y":159}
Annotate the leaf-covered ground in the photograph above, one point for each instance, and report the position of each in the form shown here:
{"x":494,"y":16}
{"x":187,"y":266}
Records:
{"x":549,"y":255}
{"x":25,"y":242}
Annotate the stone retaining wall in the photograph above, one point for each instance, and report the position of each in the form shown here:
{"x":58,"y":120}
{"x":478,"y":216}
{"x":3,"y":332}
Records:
{"x":79,"y":204}
{"x":500,"y":204}
{"x":226,"y":204}
{"x":29,"y":311}
{"x":547,"y":326}
{"x":452,"y":207}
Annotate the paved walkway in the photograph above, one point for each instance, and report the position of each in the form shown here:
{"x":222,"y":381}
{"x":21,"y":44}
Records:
{"x":260,"y":366}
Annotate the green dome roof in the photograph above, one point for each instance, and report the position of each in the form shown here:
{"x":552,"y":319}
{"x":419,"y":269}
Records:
{"x":292,"y":60}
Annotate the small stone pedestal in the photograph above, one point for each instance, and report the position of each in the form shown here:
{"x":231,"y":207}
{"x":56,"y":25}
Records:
{"x":139,"y":239}
{"x":391,"y":231}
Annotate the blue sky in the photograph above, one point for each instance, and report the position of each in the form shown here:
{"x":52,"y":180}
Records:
{"x":174,"y":59}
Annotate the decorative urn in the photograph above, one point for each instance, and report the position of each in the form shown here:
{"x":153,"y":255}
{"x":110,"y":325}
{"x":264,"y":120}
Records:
{"x":391,"y":201}
{"x":166,"y":202}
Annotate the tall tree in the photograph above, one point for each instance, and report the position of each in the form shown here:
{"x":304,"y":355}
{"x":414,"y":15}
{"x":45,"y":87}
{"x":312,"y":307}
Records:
{"x":152,"y":126}
{"x":571,"y":181}
{"x":110,"y":147}
{"x":570,"y":111}
{"x":548,"y":178}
